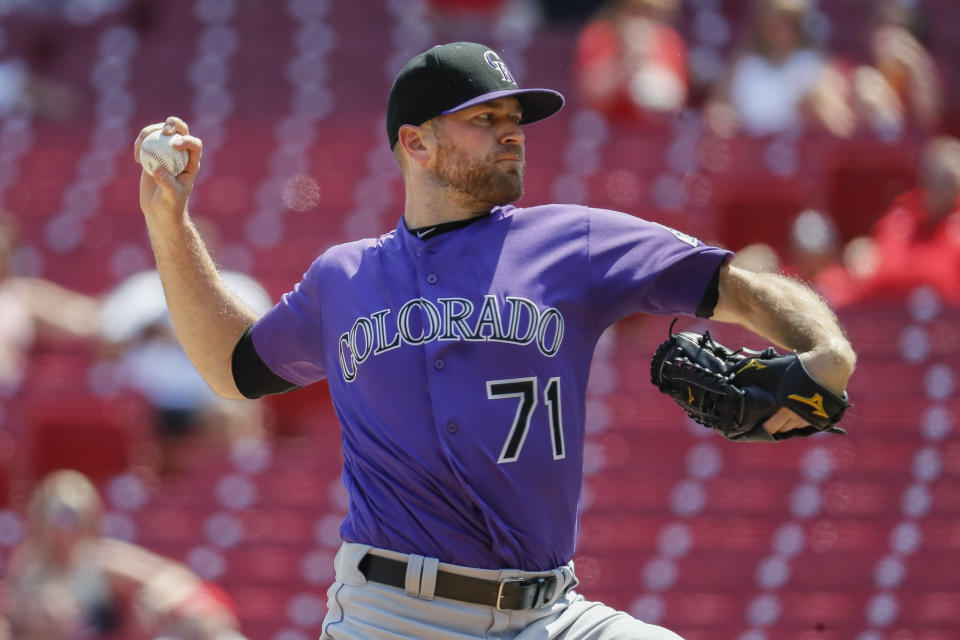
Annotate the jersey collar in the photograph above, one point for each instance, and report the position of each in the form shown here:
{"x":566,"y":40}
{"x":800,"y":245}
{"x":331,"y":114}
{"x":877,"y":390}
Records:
{"x":413,"y":243}
{"x":425,"y":233}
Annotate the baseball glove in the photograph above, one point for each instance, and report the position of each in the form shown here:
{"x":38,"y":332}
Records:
{"x":734,"y":392}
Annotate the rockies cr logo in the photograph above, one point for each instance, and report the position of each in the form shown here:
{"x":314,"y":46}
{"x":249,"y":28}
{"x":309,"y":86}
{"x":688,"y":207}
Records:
{"x":494,"y":61}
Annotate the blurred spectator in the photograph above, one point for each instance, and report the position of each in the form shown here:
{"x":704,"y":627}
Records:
{"x":899,"y":87}
{"x":25,"y":91}
{"x":32,"y":308}
{"x":771,"y":86}
{"x":917,"y":242}
{"x":631,"y":63}
{"x":138,"y":332}
{"x":68,"y":581}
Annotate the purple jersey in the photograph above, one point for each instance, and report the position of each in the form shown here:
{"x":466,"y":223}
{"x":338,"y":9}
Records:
{"x":458,"y":370}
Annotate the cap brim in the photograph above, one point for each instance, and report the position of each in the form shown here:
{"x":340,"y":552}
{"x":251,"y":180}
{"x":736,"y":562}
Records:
{"x":537,"y":104}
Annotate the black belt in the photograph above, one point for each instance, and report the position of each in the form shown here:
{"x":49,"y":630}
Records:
{"x":508,"y":594}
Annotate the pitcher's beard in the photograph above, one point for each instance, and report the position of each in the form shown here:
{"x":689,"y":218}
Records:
{"x":485,"y":183}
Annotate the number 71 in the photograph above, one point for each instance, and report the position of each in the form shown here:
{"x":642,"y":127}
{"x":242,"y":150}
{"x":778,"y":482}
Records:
{"x":526,"y":390}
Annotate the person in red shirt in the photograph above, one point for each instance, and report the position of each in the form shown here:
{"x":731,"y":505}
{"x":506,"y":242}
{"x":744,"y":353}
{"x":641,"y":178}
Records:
{"x":631,"y":63}
{"x":917,"y":242}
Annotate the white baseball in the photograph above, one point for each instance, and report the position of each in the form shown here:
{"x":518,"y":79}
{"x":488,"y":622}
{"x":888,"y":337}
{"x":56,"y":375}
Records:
{"x":157,"y":150}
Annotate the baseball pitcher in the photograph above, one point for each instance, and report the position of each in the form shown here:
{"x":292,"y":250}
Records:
{"x":457,"y":348}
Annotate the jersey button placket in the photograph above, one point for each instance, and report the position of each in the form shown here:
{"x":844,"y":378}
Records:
{"x":432,"y":278}
{"x":452,"y":427}
{"x":439,"y":364}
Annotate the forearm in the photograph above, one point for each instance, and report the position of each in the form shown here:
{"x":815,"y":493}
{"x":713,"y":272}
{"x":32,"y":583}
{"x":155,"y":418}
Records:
{"x":208,"y":318}
{"x":791,"y":315}
{"x":65,"y":311}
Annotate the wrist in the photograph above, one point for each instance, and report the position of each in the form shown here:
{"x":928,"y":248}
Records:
{"x":168,"y":227}
{"x":171,"y":217}
{"x":831,"y":365}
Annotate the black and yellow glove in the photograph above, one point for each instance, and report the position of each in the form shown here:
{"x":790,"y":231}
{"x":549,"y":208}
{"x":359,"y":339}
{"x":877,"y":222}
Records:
{"x":735,"y":392}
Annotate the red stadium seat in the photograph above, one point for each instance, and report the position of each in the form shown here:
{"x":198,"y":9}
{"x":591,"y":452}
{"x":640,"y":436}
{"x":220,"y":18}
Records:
{"x":265,"y":565}
{"x":97,"y":436}
{"x":753,"y":210}
{"x":304,"y":411}
{"x":863,"y":182}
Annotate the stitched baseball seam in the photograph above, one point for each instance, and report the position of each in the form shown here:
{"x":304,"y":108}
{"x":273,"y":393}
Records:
{"x":161,"y":161}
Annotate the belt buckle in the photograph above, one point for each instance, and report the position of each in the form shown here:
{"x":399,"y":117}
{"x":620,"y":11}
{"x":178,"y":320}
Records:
{"x":500,"y":591}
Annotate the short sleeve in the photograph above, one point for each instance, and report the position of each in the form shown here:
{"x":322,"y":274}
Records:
{"x":641,"y":266}
{"x":289,"y":337}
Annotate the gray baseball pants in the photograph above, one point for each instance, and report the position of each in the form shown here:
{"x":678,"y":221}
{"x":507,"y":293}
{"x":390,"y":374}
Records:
{"x":361,"y":610}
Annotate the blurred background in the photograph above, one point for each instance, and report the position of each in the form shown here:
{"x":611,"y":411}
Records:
{"x":815,"y":138}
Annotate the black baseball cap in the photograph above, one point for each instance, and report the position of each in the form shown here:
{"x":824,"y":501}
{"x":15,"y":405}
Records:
{"x":450,"y":77}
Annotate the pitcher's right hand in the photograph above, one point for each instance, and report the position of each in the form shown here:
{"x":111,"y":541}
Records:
{"x":163,"y":195}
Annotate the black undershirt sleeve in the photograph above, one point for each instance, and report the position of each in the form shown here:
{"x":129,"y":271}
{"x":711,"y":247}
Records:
{"x":711,"y":296}
{"x":253,"y":377}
